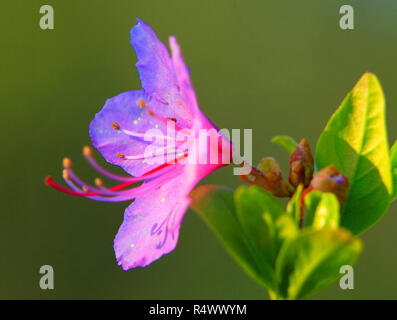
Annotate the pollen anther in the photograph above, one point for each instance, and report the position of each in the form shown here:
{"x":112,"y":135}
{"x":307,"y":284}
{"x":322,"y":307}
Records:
{"x":67,"y":163}
{"x":87,"y":151}
{"x":99,"y":182}
{"x":120,"y":155}
{"x":115,"y":126}
{"x":65,"y":174}
{"x":141,"y":103}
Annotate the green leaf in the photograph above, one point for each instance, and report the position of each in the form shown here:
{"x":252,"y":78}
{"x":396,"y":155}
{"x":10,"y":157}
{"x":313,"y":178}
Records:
{"x":216,"y":206}
{"x":286,"y":229}
{"x":321,"y":210}
{"x":294,"y":207}
{"x":257,"y":212}
{"x":393,"y":157}
{"x":312,"y":261}
{"x":286,"y":142}
{"x":355,"y":141}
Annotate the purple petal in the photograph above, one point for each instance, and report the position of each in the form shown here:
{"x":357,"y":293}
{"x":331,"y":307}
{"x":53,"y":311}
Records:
{"x":154,"y":63}
{"x":124,"y":110}
{"x":151,"y":224}
{"x":156,"y":69}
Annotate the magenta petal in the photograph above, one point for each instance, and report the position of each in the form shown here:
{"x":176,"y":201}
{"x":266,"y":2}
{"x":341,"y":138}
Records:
{"x":182,"y":75}
{"x":151,"y":224}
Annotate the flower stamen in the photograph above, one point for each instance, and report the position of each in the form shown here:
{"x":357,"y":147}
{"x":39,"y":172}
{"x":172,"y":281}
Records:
{"x":67,"y":163}
{"x":65,"y":174}
{"x":115,"y":126}
{"x":143,"y":105}
{"x":115,"y":193}
{"x":159,"y":152}
{"x":99,"y":183}
{"x":88,"y":154}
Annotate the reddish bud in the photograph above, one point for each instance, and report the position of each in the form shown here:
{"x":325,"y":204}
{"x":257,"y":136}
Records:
{"x":269,"y":177}
{"x":274,"y":178}
{"x":329,"y":179}
{"x":301,"y":165}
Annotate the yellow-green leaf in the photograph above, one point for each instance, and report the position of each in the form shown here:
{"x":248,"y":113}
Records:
{"x":321,"y":210}
{"x":393,"y":157}
{"x":355,"y":141}
{"x":288,"y":143}
{"x":294,"y":205}
{"x":312,"y":261}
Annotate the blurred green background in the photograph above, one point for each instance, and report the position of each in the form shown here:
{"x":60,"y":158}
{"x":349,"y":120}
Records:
{"x":279,"y":67}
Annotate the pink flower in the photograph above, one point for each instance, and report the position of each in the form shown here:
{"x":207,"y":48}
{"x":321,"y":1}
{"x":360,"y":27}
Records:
{"x":167,"y":108}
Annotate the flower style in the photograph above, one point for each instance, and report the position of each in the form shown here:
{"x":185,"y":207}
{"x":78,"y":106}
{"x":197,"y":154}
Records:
{"x":166,"y":107}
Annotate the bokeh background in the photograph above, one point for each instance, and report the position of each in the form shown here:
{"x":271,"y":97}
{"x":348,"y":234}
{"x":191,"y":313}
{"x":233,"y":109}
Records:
{"x":279,"y":67}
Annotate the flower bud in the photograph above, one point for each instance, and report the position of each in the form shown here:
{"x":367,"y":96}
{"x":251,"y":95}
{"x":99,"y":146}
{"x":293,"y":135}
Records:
{"x":269,"y":177}
{"x":274,"y":178}
{"x":301,"y":165}
{"x":329,"y":179}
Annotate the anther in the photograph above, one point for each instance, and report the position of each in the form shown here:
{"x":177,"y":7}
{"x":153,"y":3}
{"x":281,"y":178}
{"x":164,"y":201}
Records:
{"x":120,"y":155}
{"x":87,"y":151}
{"x":99,"y":182}
{"x":173,"y":119}
{"x":66,"y":175}
{"x":141,"y":103}
{"x":115,"y":126}
{"x":67,"y":163}
{"x":84,"y":189}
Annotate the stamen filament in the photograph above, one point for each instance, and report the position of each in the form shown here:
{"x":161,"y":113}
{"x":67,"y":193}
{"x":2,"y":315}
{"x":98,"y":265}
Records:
{"x":143,"y":135}
{"x":90,"y":158}
{"x":155,"y":154}
{"x":143,"y":105}
{"x":92,"y":192}
{"x":127,"y":194}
